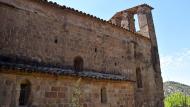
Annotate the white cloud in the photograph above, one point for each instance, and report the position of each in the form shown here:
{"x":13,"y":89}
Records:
{"x":175,"y":67}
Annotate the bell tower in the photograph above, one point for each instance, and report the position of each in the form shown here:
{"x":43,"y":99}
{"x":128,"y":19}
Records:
{"x":126,"y":20}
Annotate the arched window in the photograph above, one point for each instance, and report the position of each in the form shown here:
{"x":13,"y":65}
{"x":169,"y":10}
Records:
{"x":103,"y":95}
{"x":25,"y":89}
{"x":139,"y":78}
{"x":78,"y":64}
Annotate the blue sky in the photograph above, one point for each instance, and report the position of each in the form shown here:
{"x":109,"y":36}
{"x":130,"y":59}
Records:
{"x":172,"y":24}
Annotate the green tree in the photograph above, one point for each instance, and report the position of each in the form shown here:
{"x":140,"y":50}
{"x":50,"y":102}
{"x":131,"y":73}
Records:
{"x":177,"y":100}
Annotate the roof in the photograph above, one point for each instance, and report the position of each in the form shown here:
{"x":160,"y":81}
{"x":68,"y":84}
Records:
{"x":61,"y":71}
{"x":88,"y":15}
{"x":132,"y":10}
{"x":84,"y":14}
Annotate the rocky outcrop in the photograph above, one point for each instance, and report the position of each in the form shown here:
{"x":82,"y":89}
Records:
{"x":173,"y":87}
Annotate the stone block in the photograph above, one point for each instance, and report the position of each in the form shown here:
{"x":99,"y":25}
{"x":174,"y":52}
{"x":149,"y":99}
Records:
{"x":61,"y":95}
{"x":55,"y":88}
{"x":50,"y":94}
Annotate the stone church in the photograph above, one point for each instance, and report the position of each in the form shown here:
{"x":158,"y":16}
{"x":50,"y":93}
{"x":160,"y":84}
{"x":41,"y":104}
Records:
{"x":56,"y":56}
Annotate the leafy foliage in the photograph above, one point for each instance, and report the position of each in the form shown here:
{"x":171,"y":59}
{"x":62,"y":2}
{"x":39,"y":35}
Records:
{"x":177,"y":100}
{"x":76,"y":94}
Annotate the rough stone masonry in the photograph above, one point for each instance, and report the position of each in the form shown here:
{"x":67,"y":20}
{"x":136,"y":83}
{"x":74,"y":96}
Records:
{"x":56,"y":56}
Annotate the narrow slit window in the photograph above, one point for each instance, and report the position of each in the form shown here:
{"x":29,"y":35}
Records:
{"x":139,"y":78}
{"x":103,"y":95}
{"x":24,"y":94}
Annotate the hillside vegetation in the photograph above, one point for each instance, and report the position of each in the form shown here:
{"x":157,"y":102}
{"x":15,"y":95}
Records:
{"x":176,"y":94}
{"x":173,"y":87}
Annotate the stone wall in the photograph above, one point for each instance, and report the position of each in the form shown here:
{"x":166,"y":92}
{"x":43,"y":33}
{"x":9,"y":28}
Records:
{"x":62,"y":91}
{"x":37,"y":31}
{"x":59,"y":36}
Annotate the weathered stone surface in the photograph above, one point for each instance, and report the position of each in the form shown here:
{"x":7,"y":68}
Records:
{"x":45,"y":38}
{"x":117,"y":92}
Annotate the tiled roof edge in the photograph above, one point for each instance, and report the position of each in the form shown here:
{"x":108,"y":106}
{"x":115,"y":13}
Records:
{"x":89,"y":15}
{"x":61,"y":71}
